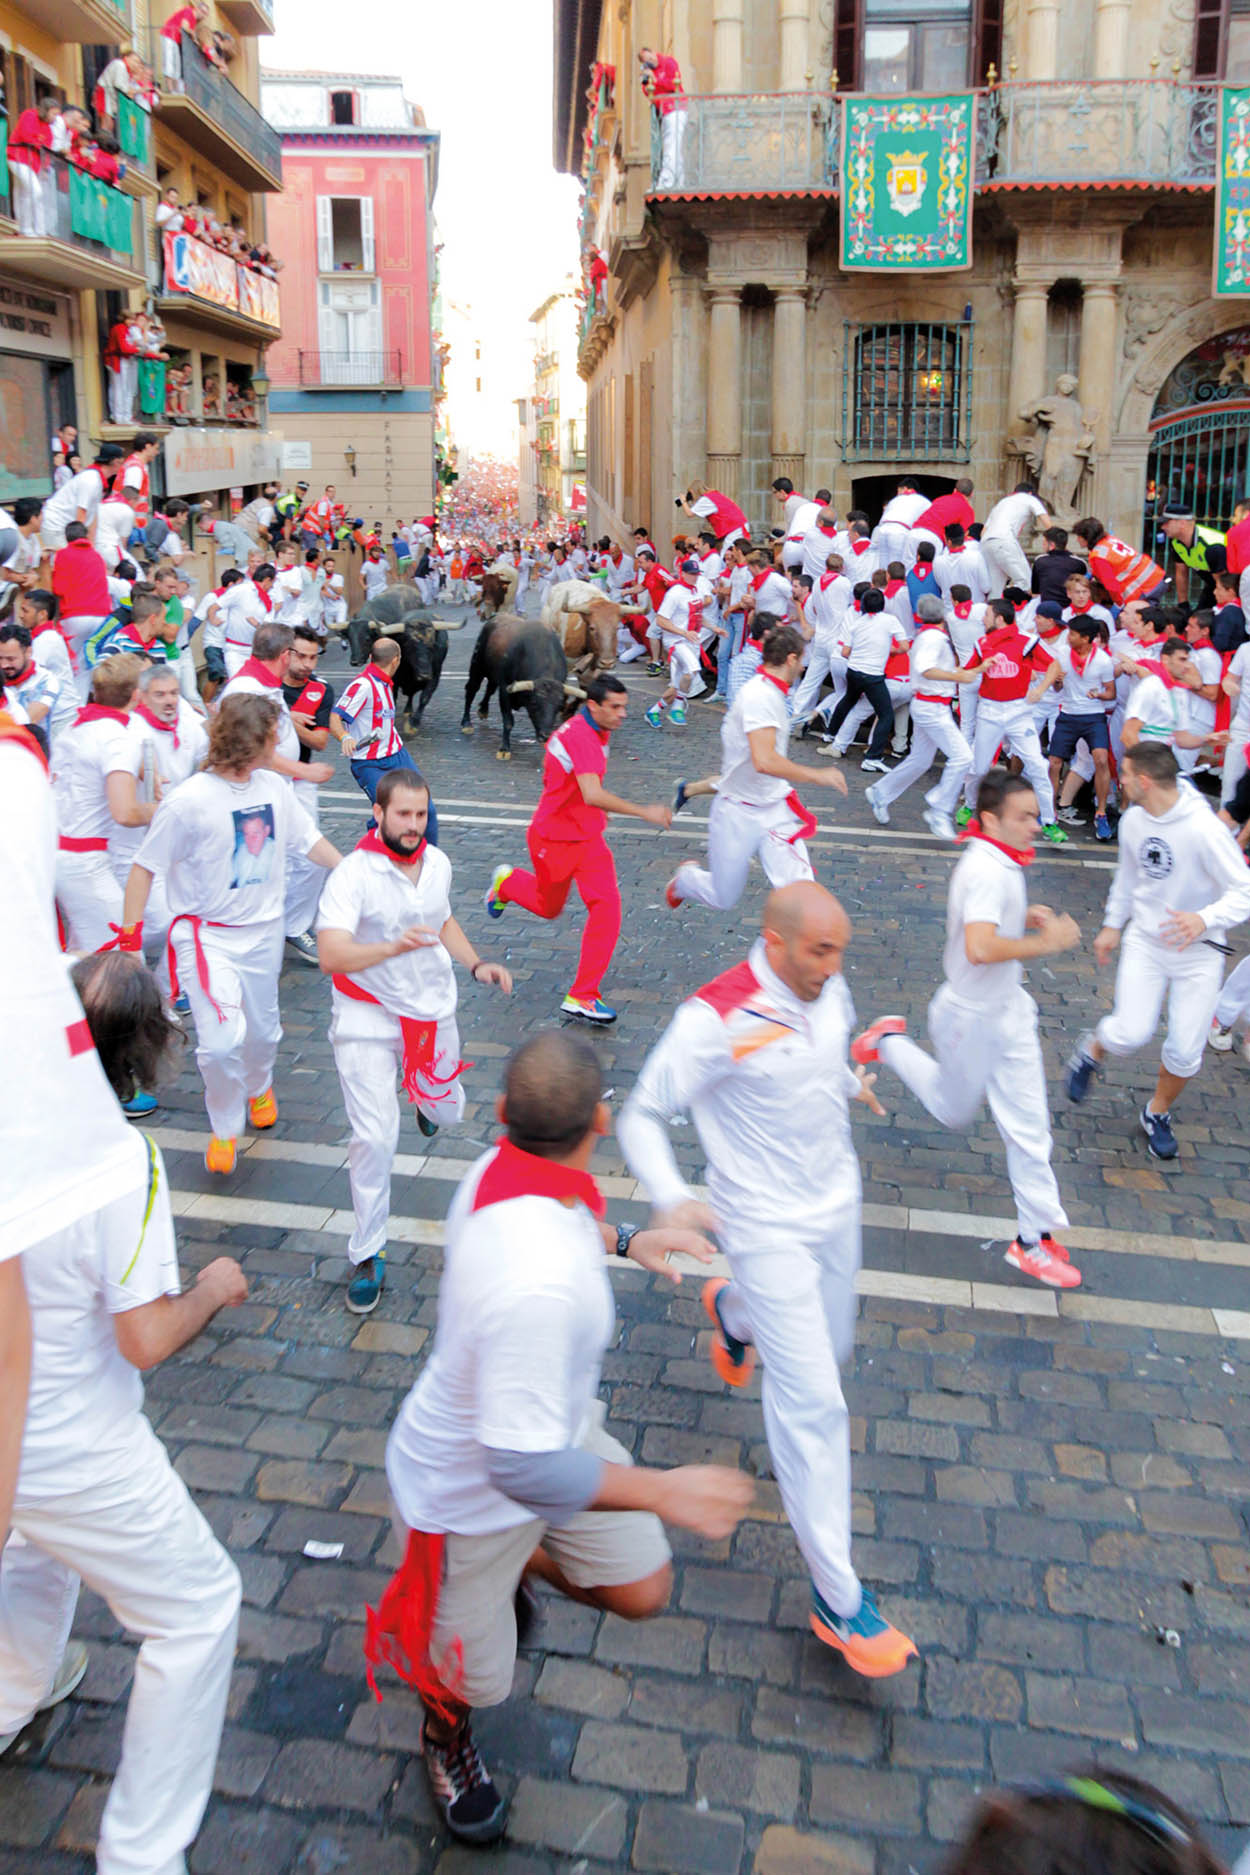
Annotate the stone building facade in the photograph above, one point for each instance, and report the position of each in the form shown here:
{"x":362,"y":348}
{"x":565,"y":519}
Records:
{"x":727,"y":344}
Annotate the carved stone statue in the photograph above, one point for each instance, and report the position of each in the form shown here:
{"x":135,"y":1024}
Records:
{"x":1060,"y":448}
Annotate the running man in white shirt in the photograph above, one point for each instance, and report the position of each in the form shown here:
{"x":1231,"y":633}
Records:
{"x":498,"y":1464}
{"x":245,"y":606}
{"x":1008,"y":523}
{"x":1085,"y":675}
{"x":94,"y":784}
{"x":936,"y":676}
{"x":757,"y":813}
{"x":219,"y":844}
{"x":1180,"y":883}
{"x":98,"y":1501}
{"x":871,"y":633}
{"x":387,"y":939}
{"x":983,"y":1022}
{"x":1157,"y":709}
{"x":680,"y":619}
{"x":758,"y":1058}
{"x":167,"y":742}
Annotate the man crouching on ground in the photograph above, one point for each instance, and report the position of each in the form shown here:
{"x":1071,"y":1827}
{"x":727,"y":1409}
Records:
{"x":498,"y":1465}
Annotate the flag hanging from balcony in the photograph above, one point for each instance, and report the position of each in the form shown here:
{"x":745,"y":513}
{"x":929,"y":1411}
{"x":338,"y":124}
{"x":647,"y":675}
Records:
{"x":1231,"y":271}
{"x":907,"y":176}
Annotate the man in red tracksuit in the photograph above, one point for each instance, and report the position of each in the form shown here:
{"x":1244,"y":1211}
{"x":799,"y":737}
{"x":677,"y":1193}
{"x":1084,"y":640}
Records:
{"x":567,"y":846}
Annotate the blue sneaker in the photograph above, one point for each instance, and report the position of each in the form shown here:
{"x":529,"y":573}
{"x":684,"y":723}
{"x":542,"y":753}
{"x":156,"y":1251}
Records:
{"x":490,"y":898}
{"x":866,"y":1640}
{"x":364,"y":1291}
{"x":679,"y":799}
{"x":428,"y":1127}
{"x":677,"y":714}
{"x":596,"y":1011}
{"x":139,"y":1106}
{"x":654,"y":716}
{"x":181,"y":1004}
{"x":1160,"y":1139}
{"x":1081,"y":1069}
{"x":1102,"y":827}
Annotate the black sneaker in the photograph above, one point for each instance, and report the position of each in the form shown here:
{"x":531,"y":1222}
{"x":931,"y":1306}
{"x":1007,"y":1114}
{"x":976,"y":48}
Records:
{"x":1161,"y":1141}
{"x":529,"y":1614}
{"x":1081,"y":1069}
{"x":461,"y":1786}
{"x":428,"y":1127}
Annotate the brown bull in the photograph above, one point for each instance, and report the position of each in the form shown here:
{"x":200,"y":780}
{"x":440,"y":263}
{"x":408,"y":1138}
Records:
{"x":586,"y":623}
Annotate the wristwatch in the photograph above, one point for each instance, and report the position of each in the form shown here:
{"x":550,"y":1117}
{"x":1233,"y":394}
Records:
{"x":625,"y":1234}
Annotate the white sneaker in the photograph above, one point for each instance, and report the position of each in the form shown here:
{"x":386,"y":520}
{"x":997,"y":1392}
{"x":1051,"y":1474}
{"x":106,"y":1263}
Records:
{"x":940,"y":825}
{"x":880,"y":812}
{"x":1220,"y":1039}
{"x":69,"y":1676}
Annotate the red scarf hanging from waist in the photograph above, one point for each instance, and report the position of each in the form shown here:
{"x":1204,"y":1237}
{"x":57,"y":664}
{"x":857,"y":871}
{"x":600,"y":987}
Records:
{"x":399,"y":1629}
{"x":806,"y":819}
{"x":201,"y":961}
{"x":419,"y":1077}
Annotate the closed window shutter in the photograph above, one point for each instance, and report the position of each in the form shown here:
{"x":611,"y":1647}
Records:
{"x":848,"y":43}
{"x":987,"y":43}
{"x":366,"y":232}
{"x":1210,"y":38}
{"x":325,"y":235}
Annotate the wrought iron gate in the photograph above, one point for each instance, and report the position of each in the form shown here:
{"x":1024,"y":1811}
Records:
{"x":1201,"y":460}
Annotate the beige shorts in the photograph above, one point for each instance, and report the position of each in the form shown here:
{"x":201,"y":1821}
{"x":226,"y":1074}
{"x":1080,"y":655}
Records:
{"x":473,"y":1645}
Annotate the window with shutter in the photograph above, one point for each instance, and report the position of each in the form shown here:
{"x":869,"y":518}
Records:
{"x":848,"y":39}
{"x":1210,"y":38}
{"x":325,"y":235}
{"x":987,"y":40}
{"x":366,"y":233}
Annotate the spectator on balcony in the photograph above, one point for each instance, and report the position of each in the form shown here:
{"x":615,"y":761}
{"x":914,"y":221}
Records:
{"x":178,"y":393}
{"x":661,"y":81}
{"x":66,"y":469}
{"x":64,"y":443}
{"x":121,"y":352}
{"x":212,"y":395}
{"x":211,"y":46}
{"x":123,"y":77}
{"x":30,"y":141}
{"x":99,"y":157}
{"x":185,"y":20}
{"x":70,"y":124}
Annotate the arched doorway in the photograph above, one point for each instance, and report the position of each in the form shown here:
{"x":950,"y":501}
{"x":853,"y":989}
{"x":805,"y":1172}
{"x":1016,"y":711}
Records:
{"x":1200,"y":435}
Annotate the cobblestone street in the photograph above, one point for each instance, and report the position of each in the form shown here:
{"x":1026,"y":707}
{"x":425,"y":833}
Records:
{"x":1051,"y":1493}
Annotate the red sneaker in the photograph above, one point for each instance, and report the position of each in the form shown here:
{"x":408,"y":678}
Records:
{"x":864,"y":1049}
{"x":1047,"y":1262}
{"x":672,"y":897}
{"x":733,"y":1360}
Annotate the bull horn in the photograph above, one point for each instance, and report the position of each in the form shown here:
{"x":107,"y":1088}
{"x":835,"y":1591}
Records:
{"x":448,"y":624}
{"x":524,"y":683}
{"x":633,"y":611}
{"x":389,"y":631}
{"x":575,"y":690}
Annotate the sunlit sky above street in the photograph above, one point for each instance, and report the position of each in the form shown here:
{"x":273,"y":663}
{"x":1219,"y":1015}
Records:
{"x":481,"y":72}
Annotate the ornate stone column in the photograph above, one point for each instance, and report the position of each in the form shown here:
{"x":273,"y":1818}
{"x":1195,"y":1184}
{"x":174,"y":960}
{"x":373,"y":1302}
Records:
{"x":724,"y":389}
{"x":1041,"y":42}
{"x":1096,"y":374}
{"x":789,"y":436}
{"x":727,"y":45}
{"x":1111,"y":28}
{"x":1028,"y":347}
{"x":793,"y":37}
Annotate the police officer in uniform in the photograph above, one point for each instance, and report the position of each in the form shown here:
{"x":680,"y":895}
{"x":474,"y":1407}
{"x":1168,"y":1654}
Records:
{"x":287,"y":508}
{"x":1199,"y":554}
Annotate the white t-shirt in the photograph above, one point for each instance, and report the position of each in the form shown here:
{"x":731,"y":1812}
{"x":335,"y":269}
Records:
{"x":1161,"y":709}
{"x":774,"y":596}
{"x":758,"y":705}
{"x":242,"y":610}
{"x":375,"y":900}
{"x":220,"y":846}
{"x":84,"y":1396}
{"x":801,"y":521}
{"x":965,"y":630}
{"x":1009,"y":517}
{"x":84,"y":757}
{"x":285,"y":593}
{"x":676,"y":605}
{"x":84,"y":490}
{"x":932,"y":650}
{"x":152,"y":750}
{"x":987,"y":887}
{"x":1202,"y":709}
{"x":243,"y":684}
{"x":905,"y":510}
{"x":1075,"y":697}
{"x":1240,"y":669}
{"x":818,"y":544}
{"x":871,"y":637}
{"x":214,"y":633}
{"x":965,"y":568}
{"x":377,"y":577}
{"x":525,"y":1313}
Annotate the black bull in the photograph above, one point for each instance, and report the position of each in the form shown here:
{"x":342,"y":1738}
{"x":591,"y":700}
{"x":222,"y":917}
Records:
{"x":422,"y":647}
{"x":526,"y":664}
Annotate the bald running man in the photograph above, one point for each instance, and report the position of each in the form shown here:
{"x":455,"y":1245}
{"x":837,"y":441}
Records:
{"x":758,"y":1057}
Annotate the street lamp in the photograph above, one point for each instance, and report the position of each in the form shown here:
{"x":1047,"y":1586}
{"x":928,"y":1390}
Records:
{"x":349,"y":457}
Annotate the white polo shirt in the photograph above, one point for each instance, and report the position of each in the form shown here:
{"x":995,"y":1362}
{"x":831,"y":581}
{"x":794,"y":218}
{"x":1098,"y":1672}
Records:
{"x":760,"y":704}
{"x":525,"y":1313}
{"x":86,"y":754}
{"x":376,"y":900}
{"x":987,"y":887}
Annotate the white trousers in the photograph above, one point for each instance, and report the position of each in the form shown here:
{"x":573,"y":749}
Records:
{"x":969,"y":699}
{"x":123,"y":383}
{"x":892,"y":541}
{"x":1006,"y":563}
{"x":77,"y":631}
{"x":933,"y":727}
{"x":996,"y":723}
{"x":683,"y":665}
{"x":672,"y":150}
{"x":89,"y":897}
{"x":1234,"y":768}
{"x":1149,"y":972}
{"x":115,"y":523}
{"x":235,"y":1052}
{"x":823,"y":662}
{"x":737,"y":833}
{"x":30,"y":206}
{"x":369,"y":1076}
{"x":1234,"y":1003}
{"x":304,"y":878}
{"x":236,"y":657}
{"x":796,"y":1303}
{"x":989,"y":1054}
{"x":900,"y":689}
{"x":133,"y":1536}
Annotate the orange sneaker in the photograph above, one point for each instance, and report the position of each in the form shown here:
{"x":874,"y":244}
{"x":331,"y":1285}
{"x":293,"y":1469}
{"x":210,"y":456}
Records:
{"x":262,"y":1111}
{"x":221,"y":1155}
{"x":866,"y":1048}
{"x":1047,"y":1261}
{"x":733,"y":1360}
{"x":866,"y":1641}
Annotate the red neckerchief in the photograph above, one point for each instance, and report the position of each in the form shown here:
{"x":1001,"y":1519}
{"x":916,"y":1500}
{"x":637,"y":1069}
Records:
{"x":1200,"y":644}
{"x":1079,"y":611}
{"x":261,"y":672}
{"x":962,"y":608}
{"x":37,"y":631}
{"x":822,"y":529}
{"x":778,"y":683}
{"x":372,"y":842}
{"x":757,"y":579}
{"x":100,"y":713}
{"x":169,"y":729}
{"x":1077,"y":666}
{"x":827,"y":580}
{"x":860,"y":546}
{"x":378,"y":672}
{"x":974,"y":831}
{"x":516,"y":1174}
{"x":264,"y":598}
{"x":31,"y":668}
{"x":894,"y":585}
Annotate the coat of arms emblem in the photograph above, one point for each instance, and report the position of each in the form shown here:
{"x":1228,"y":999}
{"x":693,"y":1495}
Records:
{"x":905,"y":180}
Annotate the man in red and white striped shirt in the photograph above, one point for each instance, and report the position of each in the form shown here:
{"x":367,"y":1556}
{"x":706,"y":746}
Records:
{"x":363,"y":720}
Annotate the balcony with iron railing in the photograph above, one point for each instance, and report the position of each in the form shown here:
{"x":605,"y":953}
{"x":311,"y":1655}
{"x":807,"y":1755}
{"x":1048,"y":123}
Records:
{"x":209,"y":286}
{"x":1061,"y":133}
{"x":332,"y":371}
{"x":67,"y":229}
{"x":200,"y":104}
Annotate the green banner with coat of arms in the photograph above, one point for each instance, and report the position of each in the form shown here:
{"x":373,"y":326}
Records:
{"x":907,"y":179}
{"x":1231,"y":269}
